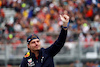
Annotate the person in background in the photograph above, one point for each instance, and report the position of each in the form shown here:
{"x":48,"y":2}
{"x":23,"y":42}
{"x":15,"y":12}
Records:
{"x":78,"y":64}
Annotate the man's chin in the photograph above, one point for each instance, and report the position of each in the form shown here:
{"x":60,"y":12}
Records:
{"x":36,"y":49}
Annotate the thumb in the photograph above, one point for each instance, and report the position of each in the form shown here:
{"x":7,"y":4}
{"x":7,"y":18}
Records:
{"x":62,"y":18}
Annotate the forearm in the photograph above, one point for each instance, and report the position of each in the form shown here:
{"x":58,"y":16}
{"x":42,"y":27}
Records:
{"x":62,"y":35}
{"x":58,"y":44}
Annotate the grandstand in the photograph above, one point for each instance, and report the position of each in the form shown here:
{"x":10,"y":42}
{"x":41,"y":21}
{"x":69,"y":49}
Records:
{"x":20,"y":18}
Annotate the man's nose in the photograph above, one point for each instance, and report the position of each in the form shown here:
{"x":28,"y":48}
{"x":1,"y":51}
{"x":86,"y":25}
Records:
{"x":36,"y":42}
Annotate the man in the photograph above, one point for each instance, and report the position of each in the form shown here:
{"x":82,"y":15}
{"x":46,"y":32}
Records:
{"x":40,"y":57}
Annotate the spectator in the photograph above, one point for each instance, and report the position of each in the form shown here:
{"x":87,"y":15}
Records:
{"x":78,"y":64}
{"x":28,"y":16}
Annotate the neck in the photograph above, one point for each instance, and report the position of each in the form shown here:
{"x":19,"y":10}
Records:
{"x":36,"y":53}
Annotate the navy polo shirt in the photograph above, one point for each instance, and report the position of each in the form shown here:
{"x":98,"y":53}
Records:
{"x":45,"y":58}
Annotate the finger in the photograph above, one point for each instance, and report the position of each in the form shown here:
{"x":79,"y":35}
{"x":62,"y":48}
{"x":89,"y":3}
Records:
{"x":62,"y":18}
{"x":66,"y":16}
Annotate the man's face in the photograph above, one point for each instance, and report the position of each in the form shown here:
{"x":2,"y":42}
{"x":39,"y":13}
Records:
{"x":34,"y":45}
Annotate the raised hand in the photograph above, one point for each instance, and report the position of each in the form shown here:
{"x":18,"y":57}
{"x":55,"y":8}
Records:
{"x":65,"y":20}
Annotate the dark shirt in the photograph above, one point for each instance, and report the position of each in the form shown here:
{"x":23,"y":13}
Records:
{"x":45,"y":58}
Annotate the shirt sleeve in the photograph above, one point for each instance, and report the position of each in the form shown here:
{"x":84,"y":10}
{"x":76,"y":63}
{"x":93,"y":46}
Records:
{"x":58,"y":44}
{"x":24,"y":63}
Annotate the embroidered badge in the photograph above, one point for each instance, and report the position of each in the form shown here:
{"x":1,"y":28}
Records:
{"x":27,"y":55}
{"x":29,"y":39}
{"x":30,"y":62}
{"x":42,"y":59}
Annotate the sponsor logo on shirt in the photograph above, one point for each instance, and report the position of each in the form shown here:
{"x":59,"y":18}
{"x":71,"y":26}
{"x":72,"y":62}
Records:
{"x":30,"y":62}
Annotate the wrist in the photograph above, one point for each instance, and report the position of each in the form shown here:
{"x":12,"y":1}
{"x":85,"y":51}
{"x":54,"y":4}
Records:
{"x":64,"y":27}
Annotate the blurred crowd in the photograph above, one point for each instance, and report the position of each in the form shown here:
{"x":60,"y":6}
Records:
{"x":42,"y":18}
{"x":78,"y":63}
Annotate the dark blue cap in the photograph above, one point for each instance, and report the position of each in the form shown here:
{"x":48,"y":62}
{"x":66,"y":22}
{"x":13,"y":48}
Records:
{"x":31,"y":37}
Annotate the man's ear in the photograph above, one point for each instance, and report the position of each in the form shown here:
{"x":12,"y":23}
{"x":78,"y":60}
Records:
{"x":28,"y":46}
